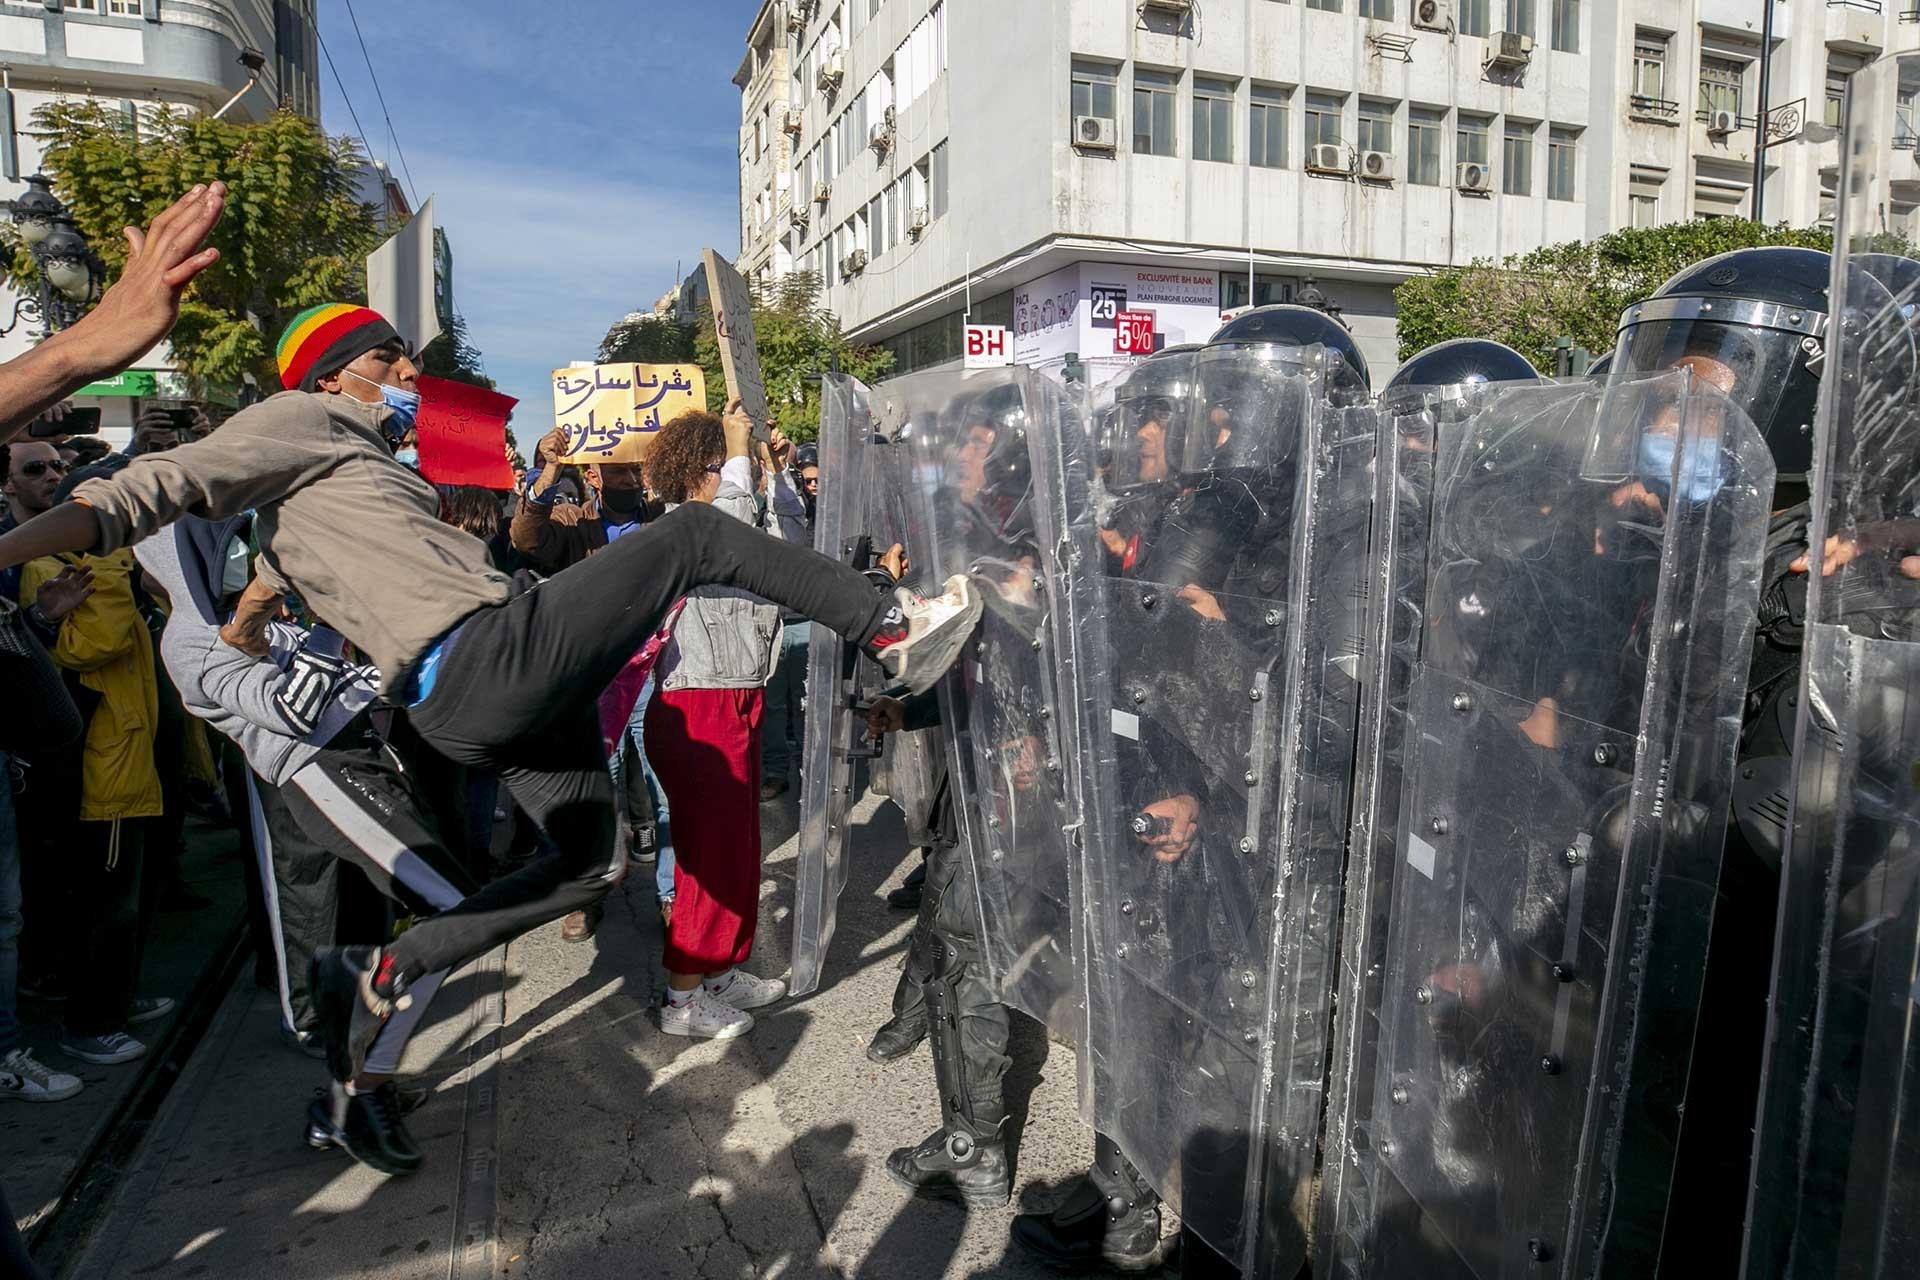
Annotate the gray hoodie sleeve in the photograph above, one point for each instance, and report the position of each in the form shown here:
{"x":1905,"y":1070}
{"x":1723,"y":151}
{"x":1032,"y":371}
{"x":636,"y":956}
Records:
{"x":259,"y":456}
{"x":246,"y":687}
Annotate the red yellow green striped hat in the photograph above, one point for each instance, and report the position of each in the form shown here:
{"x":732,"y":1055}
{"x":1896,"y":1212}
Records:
{"x":325,"y":339}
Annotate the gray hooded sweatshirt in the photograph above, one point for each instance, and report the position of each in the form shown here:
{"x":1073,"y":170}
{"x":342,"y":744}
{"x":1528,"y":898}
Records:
{"x":280,"y":709}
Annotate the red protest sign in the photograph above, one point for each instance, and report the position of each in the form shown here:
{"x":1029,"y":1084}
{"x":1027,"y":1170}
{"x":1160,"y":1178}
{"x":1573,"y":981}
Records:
{"x":463,"y":434}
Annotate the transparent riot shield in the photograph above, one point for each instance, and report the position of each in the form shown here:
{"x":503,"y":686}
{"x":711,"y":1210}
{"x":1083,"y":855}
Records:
{"x":834,"y":736}
{"x":1836,"y":1188}
{"x":1569,"y":577}
{"x":963,"y":444}
{"x":910,"y":766}
{"x":1221,"y":709}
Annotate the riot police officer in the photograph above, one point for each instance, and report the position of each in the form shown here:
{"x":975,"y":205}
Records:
{"x":1202,"y":466}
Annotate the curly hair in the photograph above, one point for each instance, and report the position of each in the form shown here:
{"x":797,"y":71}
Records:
{"x":677,"y":460}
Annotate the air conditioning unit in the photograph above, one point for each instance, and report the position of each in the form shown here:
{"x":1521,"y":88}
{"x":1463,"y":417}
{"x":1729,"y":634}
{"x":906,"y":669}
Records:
{"x":880,"y":137}
{"x":917,"y":222}
{"x":1471,"y":176}
{"x":1181,"y":7}
{"x":797,"y":21}
{"x":822,"y":191}
{"x":1433,"y":15}
{"x":1328,"y":157}
{"x":854,"y":263}
{"x":1376,"y":166}
{"x":1095,"y":133}
{"x":790,"y":121}
{"x":1509,"y":49}
{"x":1722,"y":123}
{"x":833,"y":69}
{"x":799,"y":216}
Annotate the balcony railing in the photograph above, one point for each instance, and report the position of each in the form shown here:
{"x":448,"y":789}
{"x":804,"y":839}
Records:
{"x":1910,"y":15}
{"x":1740,"y":122}
{"x":1640,"y":104}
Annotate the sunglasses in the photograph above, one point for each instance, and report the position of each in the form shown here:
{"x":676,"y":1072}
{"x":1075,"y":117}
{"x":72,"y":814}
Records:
{"x":41,"y":467}
{"x":714,"y":468}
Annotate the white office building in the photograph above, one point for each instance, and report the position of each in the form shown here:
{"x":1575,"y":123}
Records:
{"x":766,"y":87}
{"x":1046,"y":164}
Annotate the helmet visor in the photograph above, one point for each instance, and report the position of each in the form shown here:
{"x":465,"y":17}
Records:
{"x":1748,"y":364}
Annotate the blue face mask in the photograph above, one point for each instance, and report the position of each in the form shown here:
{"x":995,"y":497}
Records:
{"x":1698,"y":475}
{"x":405,"y":405}
{"x":407,"y":458}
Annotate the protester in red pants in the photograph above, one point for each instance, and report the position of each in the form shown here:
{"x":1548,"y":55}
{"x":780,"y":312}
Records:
{"x":703,"y":735}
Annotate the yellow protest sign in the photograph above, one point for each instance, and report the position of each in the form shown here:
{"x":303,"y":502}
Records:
{"x":611,"y":412}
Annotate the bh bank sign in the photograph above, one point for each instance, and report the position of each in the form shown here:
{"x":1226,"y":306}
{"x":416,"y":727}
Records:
{"x":1078,"y":308}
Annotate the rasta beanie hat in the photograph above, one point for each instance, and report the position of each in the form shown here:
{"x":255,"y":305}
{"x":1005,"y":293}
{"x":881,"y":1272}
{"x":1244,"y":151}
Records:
{"x":325,"y":339}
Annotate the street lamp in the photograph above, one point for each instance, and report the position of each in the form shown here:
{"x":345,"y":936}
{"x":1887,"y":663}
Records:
{"x":70,"y":272}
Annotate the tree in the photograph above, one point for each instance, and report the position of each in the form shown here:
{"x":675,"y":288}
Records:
{"x":1575,"y":290}
{"x":647,"y":339}
{"x":797,"y":339}
{"x":294,"y":233}
{"x":453,"y":356}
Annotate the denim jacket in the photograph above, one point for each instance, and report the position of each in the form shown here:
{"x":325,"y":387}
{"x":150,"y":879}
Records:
{"x":725,"y":638}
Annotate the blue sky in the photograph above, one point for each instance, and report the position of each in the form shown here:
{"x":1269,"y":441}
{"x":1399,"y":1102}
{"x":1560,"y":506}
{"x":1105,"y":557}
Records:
{"x":577,"y":149}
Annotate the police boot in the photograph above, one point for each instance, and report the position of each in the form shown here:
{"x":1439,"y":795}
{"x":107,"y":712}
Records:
{"x":1110,"y":1218}
{"x":898,"y":1035}
{"x":953,"y":1164}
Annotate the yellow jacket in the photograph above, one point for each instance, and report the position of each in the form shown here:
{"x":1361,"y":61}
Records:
{"x":105,"y":643}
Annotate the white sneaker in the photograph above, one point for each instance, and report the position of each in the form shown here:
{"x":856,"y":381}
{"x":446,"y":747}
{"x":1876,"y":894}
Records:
{"x":704,"y":1017}
{"x":929,"y":633}
{"x":27,"y":1080}
{"x":742,"y":990}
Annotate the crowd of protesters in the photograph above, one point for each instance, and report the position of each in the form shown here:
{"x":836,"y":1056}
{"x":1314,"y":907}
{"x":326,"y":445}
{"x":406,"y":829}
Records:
{"x":169,"y":627}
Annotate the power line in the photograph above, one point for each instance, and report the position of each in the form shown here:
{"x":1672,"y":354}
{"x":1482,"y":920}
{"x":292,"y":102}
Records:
{"x":344,"y":97}
{"x":392,"y":134}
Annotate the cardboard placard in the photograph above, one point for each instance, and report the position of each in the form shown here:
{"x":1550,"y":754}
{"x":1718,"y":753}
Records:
{"x":611,"y":412}
{"x":733,"y":326}
{"x":462,"y":432}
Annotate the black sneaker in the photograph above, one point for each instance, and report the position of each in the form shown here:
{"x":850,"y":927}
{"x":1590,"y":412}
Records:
{"x":354,"y":991}
{"x":922,"y":636}
{"x":954,"y":1166}
{"x":368,"y":1126}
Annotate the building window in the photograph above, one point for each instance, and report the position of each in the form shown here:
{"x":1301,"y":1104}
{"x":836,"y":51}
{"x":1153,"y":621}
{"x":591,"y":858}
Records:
{"x":1376,"y":125}
{"x":1094,"y":87}
{"x":1566,"y":25}
{"x":1425,"y":165}
{"x":1473,"y":17}
{"x":1212,"y":120}
{"x":1267,"y":128}
{"x":1650,"y":68}
{"x":1836,"y":94}
{"x":1327,"y":6}
{"x":1519,"y":17}
{"x":1720,"y":84}
{"x":937,"y":180}
{"x":1378,"y":10}
{"x":1563,"y":152}
{"x":1470,"y":140}
{"x":1516,"y":160}
{"x":1643,"y":209}
{"x":1323,"y":118}
{"x":1267,"y":290}
{"x":1903,"y":135}
{"x":1153,"y":94}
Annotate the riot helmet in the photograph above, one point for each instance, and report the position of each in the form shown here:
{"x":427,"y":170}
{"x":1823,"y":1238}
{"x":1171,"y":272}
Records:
{"x":1250,"y":408}
{"x":1452,"y":371}
{"x":806,"y":455}
{"x":1288,"y":325}
{"x":1752,"y":323}
{"x":989,"y":469}
{"x":1600,"y":366}
{"x":1146,"y":428}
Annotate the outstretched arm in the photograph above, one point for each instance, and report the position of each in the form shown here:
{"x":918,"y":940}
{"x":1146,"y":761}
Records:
{"x":130,"y":319}
{"x":71,"y":526}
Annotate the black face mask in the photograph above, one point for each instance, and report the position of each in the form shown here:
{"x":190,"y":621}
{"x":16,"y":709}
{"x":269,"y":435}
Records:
{"x":624,"y":503}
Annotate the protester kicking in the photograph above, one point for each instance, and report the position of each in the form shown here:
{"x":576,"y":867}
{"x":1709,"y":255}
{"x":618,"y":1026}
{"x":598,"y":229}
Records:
{"x":495,"y":673}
